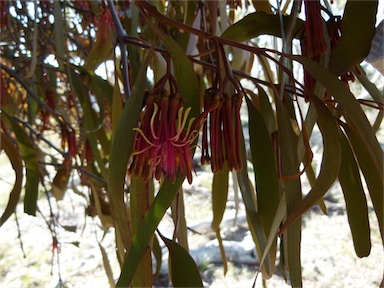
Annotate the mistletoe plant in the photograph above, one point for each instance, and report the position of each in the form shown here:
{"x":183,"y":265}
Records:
{"x":131,"y":139}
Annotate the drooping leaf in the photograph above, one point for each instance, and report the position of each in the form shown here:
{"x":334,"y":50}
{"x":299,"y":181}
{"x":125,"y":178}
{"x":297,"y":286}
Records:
{"x":29,"y":156}
{"x":117,"y":107}
{"x":151,"y":220}
{"x":354,"y":114}
{"x":256,"y":24}
{"x":330,"y":164}
{"x":17,"y":165}
{"x":107,"y":266}
{"x":59,"y":32}
{"x":94,"y":130}
{"x":156,"y":250}
{"x":59,"y":183}
{"x":271,"y":239}
{"x":254,"y":221}
{"x":292,"y":189}
{"x":222,"y":250}
{"x":357,"y":31}
{"x":122,"y":147}
{"x":178,"y":216}
{"x":372,"y":173}
{"x":101,"y":49}
{"x":105,"y":219}
{"x":219,"y":196}
{"x":183,"y":71}
{"x":184,"y":272}
{"x":262,"y":5}
{"x":356,"y":203}
{"x":101,"y":88}
{"x":139,"y":202}
{"x":263,"y":160}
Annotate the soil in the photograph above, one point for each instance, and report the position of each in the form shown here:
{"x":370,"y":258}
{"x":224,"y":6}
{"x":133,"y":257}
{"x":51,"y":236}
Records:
{"x":328,"y":256}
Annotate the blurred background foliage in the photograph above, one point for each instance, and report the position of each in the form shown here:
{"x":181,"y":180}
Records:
{"x":110,"y":99}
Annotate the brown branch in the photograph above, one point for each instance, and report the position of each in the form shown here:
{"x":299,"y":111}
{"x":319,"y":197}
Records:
{"x":121,"y":35}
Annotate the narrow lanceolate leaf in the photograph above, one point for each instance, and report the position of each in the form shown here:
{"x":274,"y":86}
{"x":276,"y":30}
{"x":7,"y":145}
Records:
{"x":122,"y":147}
{"x":358,"y":29}
{"x":292,"y":189}
{"x":145,"y":232}
{"x":263,"y":160}
{"x":156,"y":250}
{"x":373,"y":175}
{"x":183,"y":71}
{"x":184,"y":272}
{"x":256,"y":24}
{"x":262,"y":5}
{"x":219,"y":197}
{"x":59,"y":183}
{"x":352,"y":110}
{"x":359,"y":131}
{"x":139,"y":202}
{"x":17,"y":165}
{"x":254,"y":221}
{"x":330,"y":164}
{"x":107,"y":266}
{"x":267,"y":187}
{"x":356,"y":203}
{"x":29,"y":156}
{"x":59,"y":32}
{"x":117,"y":107}
{"x":94,"y":130}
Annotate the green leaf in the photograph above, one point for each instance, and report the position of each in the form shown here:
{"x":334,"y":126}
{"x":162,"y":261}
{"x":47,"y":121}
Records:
{"x":359,"y":131}
{"x":152,"y":218}
{"x":330,"y":164}
{"x":117,"y":107}
{"x":219,"y":196}
{"x":122,"y":147}
{"x":222,"y":250}
{"x":94,"y":130}
{"x":183,"y":71}
{"x":29,"y":156}
{"x":262,"y":5}
{"x":59,"y":182}
{"x":107,"y":266}
{"x":184,"y":272}
{"x":139,"y":202}
{"x":256,"y":24}
{"x":60,"y":44}
{"x":357,"y":31}
{"x":156,"y":250}
{"x":372,"y":173}
{"x":356,"y":203}
{"x":263,"y":160}
{"x":352,"y":111}
{"x":101,"y":50}
{"x":292,"y":190}
{"x":266,"y":179}
{"x":17,"y":165}
{"x":254,"y":221}
{"x":279,"y":215}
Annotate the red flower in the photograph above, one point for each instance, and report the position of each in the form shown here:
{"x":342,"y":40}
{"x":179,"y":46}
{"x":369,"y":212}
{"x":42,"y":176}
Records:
{"x":164,"y":140}
{"x":315,"y":43}
{"x":225,"y":129}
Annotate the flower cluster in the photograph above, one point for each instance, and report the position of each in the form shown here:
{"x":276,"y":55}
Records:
{"x":224,"y":130}
{"x":163,"y":145}
{"x":313,"y":45}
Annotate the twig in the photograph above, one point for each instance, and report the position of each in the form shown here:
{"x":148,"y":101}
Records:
{"x":31,"y":93}
{"x":19,"y":235}
{"x":40,"y":136}
{"x":121,"y":35}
